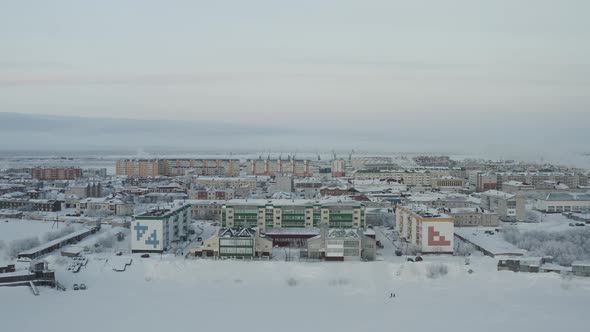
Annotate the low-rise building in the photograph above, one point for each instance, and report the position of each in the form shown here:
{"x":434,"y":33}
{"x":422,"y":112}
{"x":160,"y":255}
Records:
{"x":156,"y":230}
{"x":235,"y":243}
{"x":510,"y":207}
{"x":564,"y":202}
{"x":427,"y":228}
{"x":513,"y":186}
{"x":105,"y":206}
{"x":581,"y":269}
{"x":469,"y":217}
{"x":341,"y":245}
{"x":30,"y":204}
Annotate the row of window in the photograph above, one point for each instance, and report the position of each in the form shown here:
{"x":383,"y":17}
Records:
{"x":232,"y":250}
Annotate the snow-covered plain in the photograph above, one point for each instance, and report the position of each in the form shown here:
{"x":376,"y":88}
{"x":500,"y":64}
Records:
{"x":165,"y":293}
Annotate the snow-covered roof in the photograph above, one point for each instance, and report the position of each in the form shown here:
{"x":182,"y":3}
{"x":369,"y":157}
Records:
{"x":568,"y":197}
{"x":498,"y":194}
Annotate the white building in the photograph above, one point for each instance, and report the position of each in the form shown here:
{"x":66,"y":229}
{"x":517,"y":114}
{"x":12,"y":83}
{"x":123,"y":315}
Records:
{"x":510,"y":207}
{"x":427,"y":228}
{"x":341,"y":245}
{"x":157,"y":230}
{"x":564,"y":202}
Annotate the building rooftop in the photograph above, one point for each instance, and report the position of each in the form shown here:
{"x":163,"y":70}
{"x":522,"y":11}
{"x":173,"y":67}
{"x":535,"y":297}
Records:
{"x":498,"y":194}
{"x":568,"y":197}
{"x":425,"y":211}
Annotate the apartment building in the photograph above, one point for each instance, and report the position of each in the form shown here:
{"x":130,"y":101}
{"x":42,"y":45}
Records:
{"x":251,"y":182}
{"x":338,"y":168}
{"x":292,"y":214}
{"x":422,"y":178}
{"x":274,"y":167}
{"x":448,"y":183}
{"x":106,"y":206}
{"x":510,"y":207}
{"x":484,"y":181}
{"x":156,"y":230}
{"x":470,"y":217}
{"x":56,"y":173}
{"x":427,"y":228}
{"x":84,"y":190}
{"x":203,"y":167}
{"x":212,"y":194}
{"x":30,"y":204}
{"x":139,"y":167}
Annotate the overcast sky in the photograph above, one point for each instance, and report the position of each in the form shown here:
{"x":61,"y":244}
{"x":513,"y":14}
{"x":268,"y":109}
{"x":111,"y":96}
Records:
{"x":317,"y":63}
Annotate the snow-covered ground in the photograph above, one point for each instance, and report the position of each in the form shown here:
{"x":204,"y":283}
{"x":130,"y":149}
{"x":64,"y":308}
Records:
{"x":164,"y":293}
{"x":170,"y":293}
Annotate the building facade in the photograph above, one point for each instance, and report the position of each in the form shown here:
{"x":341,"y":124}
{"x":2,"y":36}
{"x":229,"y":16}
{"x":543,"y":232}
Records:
{"x":428,"y":229}
{"x":292,"y":213}
{"x":157,"y":230}
{"x":564,"y":202}
{"x":56,"y":173}
{"x":510,"y":207}
{"x":274,"y":167}
{"x":203,"y":167}
{"x":139,"y":167}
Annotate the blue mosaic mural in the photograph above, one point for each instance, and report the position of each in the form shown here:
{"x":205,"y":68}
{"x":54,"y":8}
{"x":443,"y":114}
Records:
{"x":152,"y":239}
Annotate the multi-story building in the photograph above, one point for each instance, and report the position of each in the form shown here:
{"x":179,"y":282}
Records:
{"x":102,"y":207}
{"x":338,"y":168}
{"x":205,"y":209}
{"x":564,"y":202}
{"x":514,"y":186}
{"x":448,"y":183}
{"x":94,"y":173}
{"x":84,"y":190}
{"x":274,"y":167}
{"x":56,"y":173}
{"x":156,"y":230}
{"x":485,"y":181}
{"x":139,"y":167}
{"x":427,"y":228}
{"x":204,"y":167}
{"x":408,"y":177}
{"x":292,"y":213}
{"x":212,"y":194}
{"x":510,"y":207}
{"x":251,"y":182}
{"x":467,"y":217}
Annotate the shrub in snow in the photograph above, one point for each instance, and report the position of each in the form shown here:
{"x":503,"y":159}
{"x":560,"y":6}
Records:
{"x":436,"y":270}
{"x":17,"y":246}
{"x":292,"y":282}
{"x":565,"y":247}
{"x":106,"y":241}
{"x":58,"y":233}
{"x":463,"y":248}
{"x":61,"y":261}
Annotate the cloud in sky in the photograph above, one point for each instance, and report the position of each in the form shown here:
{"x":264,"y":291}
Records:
{"x":365,"y":68}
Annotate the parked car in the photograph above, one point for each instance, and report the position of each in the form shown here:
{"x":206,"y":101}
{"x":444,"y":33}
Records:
{"x":419,"y":259}
{"x":580,"y":224}
{"x":76,"y":287}
{"x":145,"y":256}
{"x":398,"y":252}
{"x":83,"y":286}
{"x":199,"y":239}
{"x":119,"y":253}
{"x":572,"y":224}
